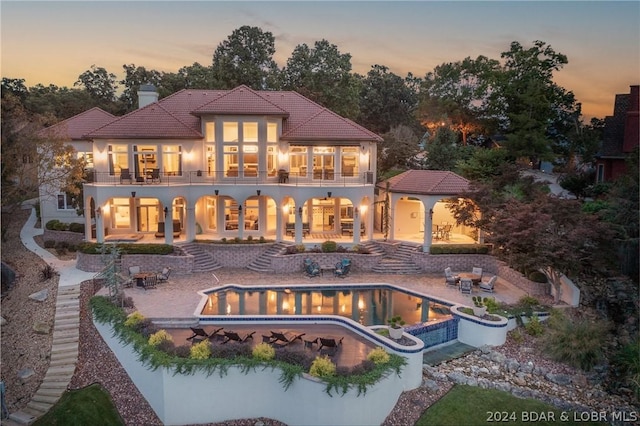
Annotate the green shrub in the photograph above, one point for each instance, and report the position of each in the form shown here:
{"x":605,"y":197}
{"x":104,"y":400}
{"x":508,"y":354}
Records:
{"x":576,"y":342}
{"x":201,"y":350}
{"x":534,"y":327}
{"x":47,"y":272}
{"x":329,"y":246}
{"x":76,"y":227}
{"x":263,"y":352}
{"x":300,"y":248}
{"x":537,"y":277}
{"x":625,"y":368}
{"x":51,"y":225}
{"x":60,"y":226}
{"x":133,"y":319}
{"x":158,"y":337}
{"x":460,"y":249}
{"x":96,"y":248}
{"x":378,"y":356}
{"x":322,"y":366}
{"x":49,"y":244}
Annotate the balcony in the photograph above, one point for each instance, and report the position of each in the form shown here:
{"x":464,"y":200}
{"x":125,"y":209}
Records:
{"x":236,"y":177}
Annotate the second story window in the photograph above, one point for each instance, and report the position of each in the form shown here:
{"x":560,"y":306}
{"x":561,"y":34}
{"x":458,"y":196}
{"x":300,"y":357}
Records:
{"x":210,"y":131}
{"x":172,"y":160}
{"x":118,"y":158}
{"x":298,"y":161}
{"x":349,"y":161}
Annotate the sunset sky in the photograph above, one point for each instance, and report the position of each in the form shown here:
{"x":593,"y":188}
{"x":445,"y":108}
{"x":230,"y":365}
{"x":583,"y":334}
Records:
{"x":54,"y":42}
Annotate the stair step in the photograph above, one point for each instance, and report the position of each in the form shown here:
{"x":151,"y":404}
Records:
{"x":45,"y":399}
{"x":60,"y":370}
{"x":63,"y":362}
{"x":54,"y":385}
{"x":42,"y":407}
{"x":23,"y":417}
{"x":53,"y":392}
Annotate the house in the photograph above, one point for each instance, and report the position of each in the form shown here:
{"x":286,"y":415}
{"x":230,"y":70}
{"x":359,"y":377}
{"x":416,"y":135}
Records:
{"x":621,"y":136}
{"x":415,"y":200}
{"x":223,"y":164}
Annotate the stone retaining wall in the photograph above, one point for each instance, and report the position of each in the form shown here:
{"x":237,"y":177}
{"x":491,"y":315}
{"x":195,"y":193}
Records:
{"x":67,"y":236}
{"x":147,"y":262}
{"x":294,"y":262}
{"x":235,"y":255}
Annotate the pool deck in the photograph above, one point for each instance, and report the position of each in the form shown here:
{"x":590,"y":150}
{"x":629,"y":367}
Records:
{"x":178,"y":298}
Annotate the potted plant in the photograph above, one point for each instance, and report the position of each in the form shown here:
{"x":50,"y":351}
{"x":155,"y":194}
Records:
{"x":479,"y":308}
{"x":395,"y":327}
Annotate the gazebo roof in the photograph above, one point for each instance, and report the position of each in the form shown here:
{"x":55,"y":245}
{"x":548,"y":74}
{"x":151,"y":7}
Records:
{"x":426,"y":182}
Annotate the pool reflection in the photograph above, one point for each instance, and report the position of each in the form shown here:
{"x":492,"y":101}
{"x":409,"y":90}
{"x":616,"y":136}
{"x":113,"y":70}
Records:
{"x":366,"y":305}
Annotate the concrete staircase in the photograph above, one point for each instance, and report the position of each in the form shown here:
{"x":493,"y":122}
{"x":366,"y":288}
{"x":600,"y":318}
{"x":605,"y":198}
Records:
{"x":399,"y":262}
{"x":64,"y":356}
{"x":263,"y":262}
{"x":372,"y":247}
{"x":203,"y":261}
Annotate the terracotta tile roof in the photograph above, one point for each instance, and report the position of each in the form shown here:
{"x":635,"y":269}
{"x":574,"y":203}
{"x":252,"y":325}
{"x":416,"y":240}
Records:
{"x":241,"y":100}
{"x":76,"y":127}
{"x":327,"y":125}
{"x":177,"y":116}
{"x":427,"y":182}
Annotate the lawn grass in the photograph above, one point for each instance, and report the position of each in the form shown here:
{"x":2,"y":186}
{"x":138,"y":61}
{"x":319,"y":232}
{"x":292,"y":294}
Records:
{"x":470,"y":406}
{"x":88,"y":406}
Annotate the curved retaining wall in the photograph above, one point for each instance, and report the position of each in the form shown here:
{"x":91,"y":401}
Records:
{"x":477,"y":332}
{"x":198,"y":398}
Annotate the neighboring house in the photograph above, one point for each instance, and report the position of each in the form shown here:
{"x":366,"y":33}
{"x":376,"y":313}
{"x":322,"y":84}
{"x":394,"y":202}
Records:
{"x":226,"y":163}
{"x":621,"y":136}
{"x":53,"y":203}
{"x":416,"y":200}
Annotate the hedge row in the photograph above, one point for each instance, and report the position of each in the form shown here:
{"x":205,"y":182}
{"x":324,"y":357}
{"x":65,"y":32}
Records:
{"x":460,"y":249}
{"x":56,"y":225}
{"x":125,"y":248}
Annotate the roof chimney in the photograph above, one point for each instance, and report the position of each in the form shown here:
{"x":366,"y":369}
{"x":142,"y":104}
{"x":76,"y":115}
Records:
{"x":147,"y":94}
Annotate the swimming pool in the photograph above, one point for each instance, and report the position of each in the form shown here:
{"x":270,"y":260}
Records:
{"x":367,"y":304}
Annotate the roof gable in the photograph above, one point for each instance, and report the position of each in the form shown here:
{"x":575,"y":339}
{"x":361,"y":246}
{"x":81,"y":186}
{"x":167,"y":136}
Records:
{"x":76,"y":127}
{"x":427,"y":182}
{"x":241,"y":100}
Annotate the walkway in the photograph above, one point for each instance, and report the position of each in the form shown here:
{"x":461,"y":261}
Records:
{"x":64,"y":349}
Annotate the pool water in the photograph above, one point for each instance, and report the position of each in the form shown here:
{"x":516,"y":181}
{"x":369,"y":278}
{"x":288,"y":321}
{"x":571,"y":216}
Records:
{"x":368,"y":305}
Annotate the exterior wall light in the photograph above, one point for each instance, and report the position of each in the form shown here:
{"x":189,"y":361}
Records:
{"x":300,"y":212}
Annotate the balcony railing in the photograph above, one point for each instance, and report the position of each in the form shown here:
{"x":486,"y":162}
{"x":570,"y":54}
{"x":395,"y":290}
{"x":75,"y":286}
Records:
{"x":319,"y":178}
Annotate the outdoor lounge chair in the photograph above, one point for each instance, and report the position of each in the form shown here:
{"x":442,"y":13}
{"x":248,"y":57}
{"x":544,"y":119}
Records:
{"x":134,"y":270}
{"x":216,"y":334}
{"x":488,"y":285}
{"x":149,"y":281}
{"x":329,"y":345}
{"x":288,"y":339}
{"x":198,"y":335}
{"x":273,"y":342}
{"x":164,"y":275}
{"x":308,"y":344}
{"x":450,"y":278}
{"x":232,"y":335}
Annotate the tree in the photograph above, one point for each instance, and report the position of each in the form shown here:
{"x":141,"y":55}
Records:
{"x":386,"y":100}
{"x":456,"y":94}
{"x":134,"y":78}
{"x":323,"y":74}
{"x":246,"y":57}
{"x":441,"y":152}
{"x":100,"y":84}
{"x":551,"y":235}
{"x":398,"y":149}
{"x":30,"y":161}
{"x":528,"y":100}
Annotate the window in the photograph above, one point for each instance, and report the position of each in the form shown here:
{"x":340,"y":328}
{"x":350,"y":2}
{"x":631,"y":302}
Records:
{"x":120,"y":213}
{"x":271,"y":160}
{"x":211,"y":213}
{"x":323,"y":163}
{"x":65,"y":202}
{"x":230,"y":131}
{"x":231,"y":161}
{"x":272,"y":132}
{"x":250,"y":132}
{"x":118,"y":158}
{"x":349,"y":161}
{"x":171,"y":160}
{"x":144,"y":159}
{"x":210,"y":131}
{"x":298,"y":161}
{"x":27,"y":159}
{"x":88,"y":159}
{"x":211,"y":159}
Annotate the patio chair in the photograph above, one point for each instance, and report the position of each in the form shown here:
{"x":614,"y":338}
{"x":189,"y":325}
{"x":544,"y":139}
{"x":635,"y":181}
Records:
{"x":149,"y":281}
{"x":232,"y":335}
{"x":312,"y":269}
{"x":488,"y":285}
{"x":477,"y":271}
{"x":273,"y":342}
{"x":164,"y":275}
{"x":281,"y":337}
{"x":155,"y":175}
{"x":466,"y":286}
{"x":308,"y":344}
{"x":134,"y":270}
{"x":329,"y":346}
{"x":198,"y":335}
{"x":342,"y":269}
{"x":125,"y":174}
{"x":450,"y":278}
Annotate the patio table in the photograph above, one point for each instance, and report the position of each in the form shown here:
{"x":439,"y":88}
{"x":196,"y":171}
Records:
{"x":475,"y":278}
